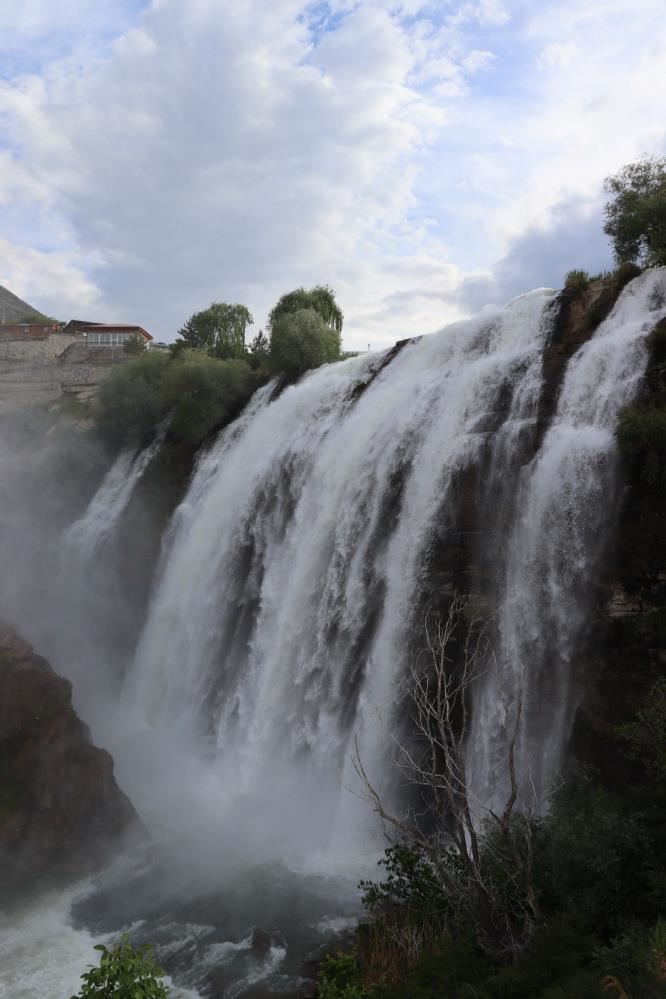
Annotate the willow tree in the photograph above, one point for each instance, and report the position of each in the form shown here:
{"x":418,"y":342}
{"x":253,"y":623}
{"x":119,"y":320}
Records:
{"x":301,"y":341}
{"x":636,"y":214}
{"x":321,"y":299}
{"x":219,"y":330}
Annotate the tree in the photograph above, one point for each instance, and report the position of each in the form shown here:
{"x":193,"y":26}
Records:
{"x":219,"y":330}
{"x":198,"y":393}
{"x":481,"y":871}
{"x":260,"y":347}
{"x":123,"y":973}
{"x":128,"y":407}
{"x":135,"y":345}
{"x":321,"y":298}
{"x":203,"y":394}
{"x":636,"y":215}
{"x":301,"y":341}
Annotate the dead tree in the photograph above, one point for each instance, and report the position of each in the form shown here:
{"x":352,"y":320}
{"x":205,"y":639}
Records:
{"x":432,"y":759}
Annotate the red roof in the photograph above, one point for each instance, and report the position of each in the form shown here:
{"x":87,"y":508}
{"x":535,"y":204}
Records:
{"x":12,"y":330}
{"x":115,"y":328}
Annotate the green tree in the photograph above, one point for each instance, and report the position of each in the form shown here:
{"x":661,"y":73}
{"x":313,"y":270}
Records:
{"x":135,"y":345}
{"x":636,"y":215}
{"x":129,"y":405}
{"x":199,"y":394}
{"x":203,"y":394}
{"x":321,"y":298}
{"x":301,"y":341}
{"x":260,"y":346}
{"x":219,"y":330}
{"x":123,"y":973}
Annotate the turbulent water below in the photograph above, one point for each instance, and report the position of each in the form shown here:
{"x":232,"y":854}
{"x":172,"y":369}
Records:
{"x":286,"y":603}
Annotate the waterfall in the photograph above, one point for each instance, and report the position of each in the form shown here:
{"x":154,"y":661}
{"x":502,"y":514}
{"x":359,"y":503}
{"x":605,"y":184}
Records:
{"x":564,"y":511}
{"x":87,"y":534}
{"x":282,"y":613}
{"x":87,"y":615}
{"x":286,"y":604}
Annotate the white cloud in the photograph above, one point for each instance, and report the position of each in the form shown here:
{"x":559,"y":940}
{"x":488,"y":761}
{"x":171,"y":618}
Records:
{"x":234,"y":150}
{"x":52,"y":282}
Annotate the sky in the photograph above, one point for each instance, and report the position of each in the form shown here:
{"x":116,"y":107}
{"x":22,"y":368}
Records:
{"x":424,"y":159}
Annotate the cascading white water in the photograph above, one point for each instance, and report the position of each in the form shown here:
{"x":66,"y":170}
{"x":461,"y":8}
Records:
{"x":281,"y":616}
{"x":563,"y":514}
{"x":89,"y":601}
{"x":285,"y":609}
{"x":87,"y":534}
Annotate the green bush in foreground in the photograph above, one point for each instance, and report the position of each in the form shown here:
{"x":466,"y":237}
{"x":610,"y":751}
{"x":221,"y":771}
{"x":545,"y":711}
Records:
{"x":600,"y":874}
{"x":123,"y":973}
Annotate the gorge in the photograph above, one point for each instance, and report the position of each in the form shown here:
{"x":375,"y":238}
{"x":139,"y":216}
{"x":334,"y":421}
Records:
{"x":230,"y":653}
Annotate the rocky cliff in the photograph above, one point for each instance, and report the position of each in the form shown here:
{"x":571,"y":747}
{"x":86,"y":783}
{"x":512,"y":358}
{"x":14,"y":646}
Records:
{"x":627,"y":649}
{"x":61,"y":811}
{"x":624,"y":648}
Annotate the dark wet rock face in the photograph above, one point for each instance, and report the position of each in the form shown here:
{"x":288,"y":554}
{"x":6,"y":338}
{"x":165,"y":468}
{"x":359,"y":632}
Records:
{"x":627,"y":653}
{"x":61,"y":811}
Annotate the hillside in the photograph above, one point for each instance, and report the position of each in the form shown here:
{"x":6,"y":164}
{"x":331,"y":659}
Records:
{"x":14,"y":310}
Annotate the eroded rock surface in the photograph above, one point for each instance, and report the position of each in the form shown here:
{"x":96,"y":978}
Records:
{"x":61,"y":810}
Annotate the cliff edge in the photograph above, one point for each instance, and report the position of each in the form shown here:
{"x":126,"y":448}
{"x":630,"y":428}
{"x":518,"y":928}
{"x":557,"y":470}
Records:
{"x":61,"y":811}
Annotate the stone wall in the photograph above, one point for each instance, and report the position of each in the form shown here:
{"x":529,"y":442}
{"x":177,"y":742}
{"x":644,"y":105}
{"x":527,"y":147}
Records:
{"x":41,"y":371}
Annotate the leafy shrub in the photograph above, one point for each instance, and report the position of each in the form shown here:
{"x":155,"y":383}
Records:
{"x":123,"y":973}
{"x":641,"y":435}
{"x":203,"y":393}
{"x":595,"y":860}
{"x":340,"y":978}
{"x":129,"y":406}
{"x":642,"y":428}
{"x":301,"y":341}
{"x":577,"y":281}
{"x":135,"y":346}
{"x":200,"y":393}
{"x":646,"y":735}
{"x":599,"y":872}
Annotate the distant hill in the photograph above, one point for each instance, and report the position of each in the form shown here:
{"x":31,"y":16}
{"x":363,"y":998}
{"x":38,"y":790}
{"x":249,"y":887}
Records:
{"x":14,"y":310}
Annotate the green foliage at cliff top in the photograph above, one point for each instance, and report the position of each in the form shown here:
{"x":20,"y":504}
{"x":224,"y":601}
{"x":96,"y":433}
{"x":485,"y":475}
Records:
{"x":321,"y":299}
{"x":196,"y":392}
{"x":219,"y":330}
{"x":301,"y":341}
{"x":636,"y":214}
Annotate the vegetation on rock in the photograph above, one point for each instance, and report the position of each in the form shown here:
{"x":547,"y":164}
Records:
{"x":209,"y":374}
{"x":636,"y":214}
{"x":197,"y":393}
{"x":614,"y":282}
{"x":524,"y":906}
{"x":577,"y":280}
{"x":301,"y":341}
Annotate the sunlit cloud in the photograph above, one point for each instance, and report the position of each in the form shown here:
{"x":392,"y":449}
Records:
{"x":160,"y":156}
